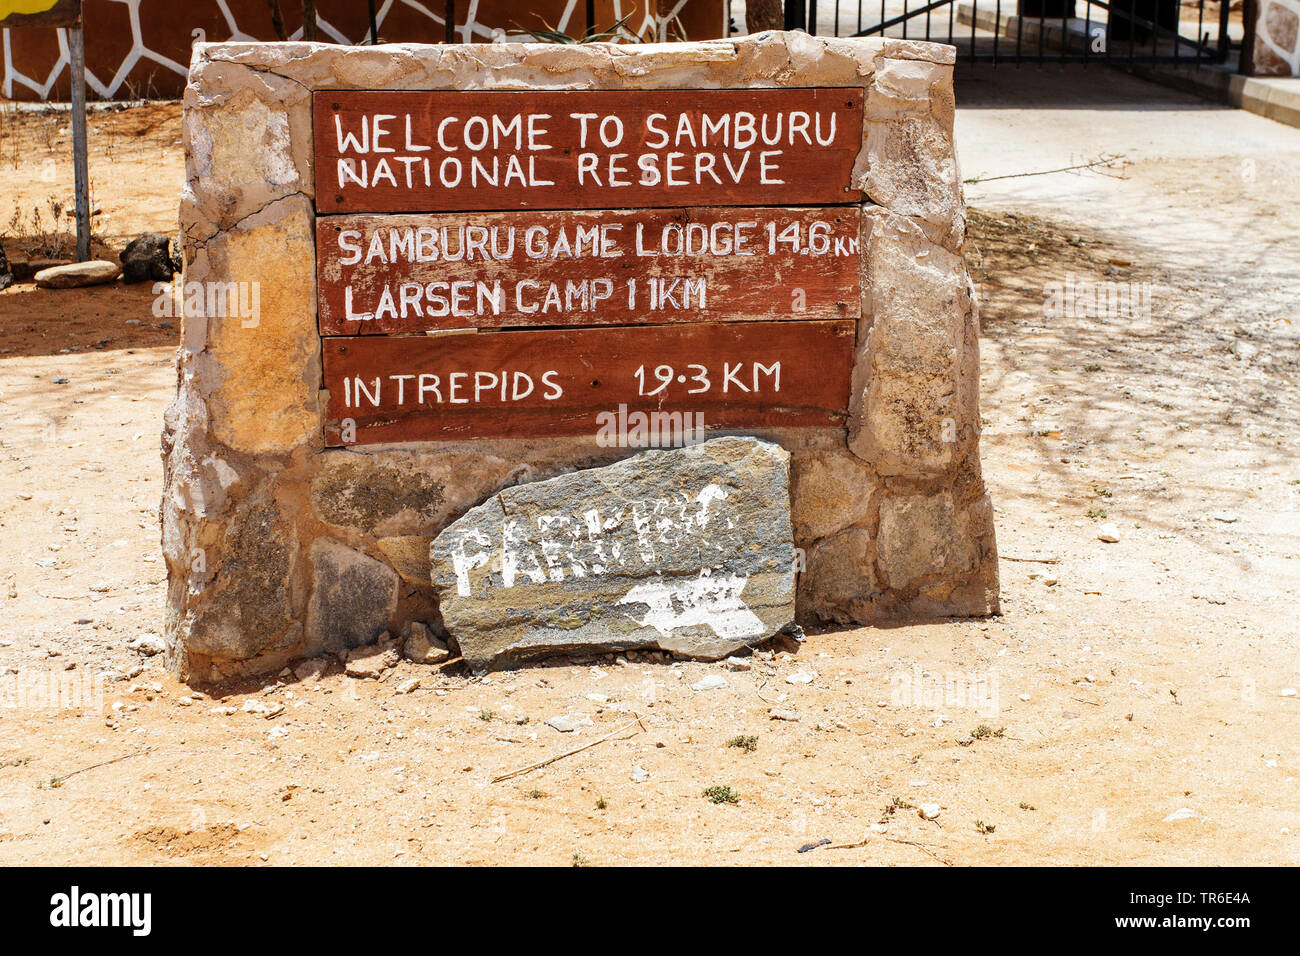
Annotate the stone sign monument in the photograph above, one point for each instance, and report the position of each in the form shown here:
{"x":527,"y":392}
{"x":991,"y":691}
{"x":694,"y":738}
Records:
{"x":435,"y":293}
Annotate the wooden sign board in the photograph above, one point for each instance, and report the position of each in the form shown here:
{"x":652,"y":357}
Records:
{"x":426,"y":151}
{"x":39,"y":13}
{"x":412,"y":273}
{"x":583,"y":254}
{"x":558,"y":381}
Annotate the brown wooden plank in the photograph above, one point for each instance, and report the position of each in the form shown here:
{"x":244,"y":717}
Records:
{"x":585,"y":268}
{"x":757,"y":374}
{"x":50,"y":13}
{"x":423,"y":151}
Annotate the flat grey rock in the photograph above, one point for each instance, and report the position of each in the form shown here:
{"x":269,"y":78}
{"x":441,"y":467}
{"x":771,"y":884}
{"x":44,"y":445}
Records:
{"x":568,"y":723}
{"x":688,"y":551}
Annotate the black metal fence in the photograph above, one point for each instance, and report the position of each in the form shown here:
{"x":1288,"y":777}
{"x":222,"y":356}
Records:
{"x":1191,"y":33}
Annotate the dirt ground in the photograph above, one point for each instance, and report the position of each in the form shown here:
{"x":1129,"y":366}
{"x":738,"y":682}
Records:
{"x":1132,"y":680}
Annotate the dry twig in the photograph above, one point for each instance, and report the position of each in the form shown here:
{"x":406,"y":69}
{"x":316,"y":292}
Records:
{"x":103,"y":763}
{"x":1107,"y":161}
{"x":570,"y":753}
{"x":867,"y":839}
{"x":923,"y":848}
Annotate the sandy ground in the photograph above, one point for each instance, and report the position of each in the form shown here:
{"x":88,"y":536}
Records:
{"x":1132,"y":679}
{"x":136,"y":172}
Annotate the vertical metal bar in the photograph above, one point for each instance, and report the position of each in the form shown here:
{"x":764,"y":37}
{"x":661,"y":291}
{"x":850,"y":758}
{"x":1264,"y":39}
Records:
{"x":859,"y":16}
{"x":997,"y":29}
{"x":837,"y":17}
{"x":904,"y":19}
{"x":591,"y":18}
{"x":796,"y":15}
{"x":374,"y":27}
{"x":1132,"y":30}
{"x":309,"y":25}
{"x":80,"y":174}
{"x":1087,"y":32}
{"x":277,"y":20}
{"x":1200,"y":27}
{"x":974,"y":15}
{"x":1178,"y":30}
{"x":928,"y":14}
{"x":1246,"y":61}
{"x":812,"y":16}
{"x":1065,"y":30}
{"x":1225,"y":43}
{"x":882,"y":16}
{"x":1155,"y":30}
{"x":449,"y":18}
{"x":1020,"y":31}
{"x":1042,"y":29}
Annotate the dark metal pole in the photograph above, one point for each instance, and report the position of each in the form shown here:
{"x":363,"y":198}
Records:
{"x":1200,"y":27}
{"x":309,"y":20}
{"x":1132,"y":31}
{"x":449,"y":15}
{"x":591,"y":18}
{"x":1087,"y":32}
{"x":1067,"y":11}
{"x":80,"y":174}
{"x":796,"y":15}
{"x":1246,"y":62}
{"x":277,"y":20}
{"x":374,"y":27}
{"x":997,"y":28}
{"x":1225,"y":44}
